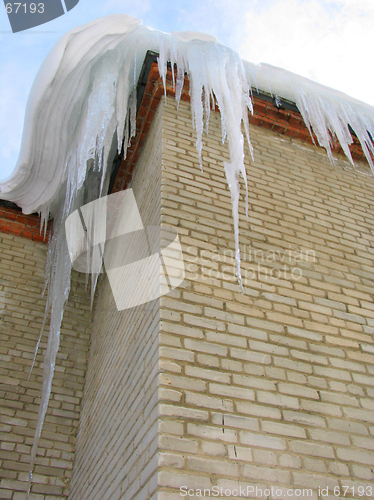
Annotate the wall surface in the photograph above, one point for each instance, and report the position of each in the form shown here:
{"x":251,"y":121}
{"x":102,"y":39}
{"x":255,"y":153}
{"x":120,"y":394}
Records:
{"x":117,"y":443}
{"x":273,"y":387}
{"x":212,"y":388}
{"x":209,"y":387}
{"x":22,"y":310}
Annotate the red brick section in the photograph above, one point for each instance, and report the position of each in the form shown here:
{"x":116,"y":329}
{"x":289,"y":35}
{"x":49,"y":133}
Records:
{"x":265,"y":114}
{"x":291,"y":123}
{"x":13,"y":221}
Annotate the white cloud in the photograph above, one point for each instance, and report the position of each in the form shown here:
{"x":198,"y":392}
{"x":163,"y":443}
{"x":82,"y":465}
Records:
{"x":327,"y":41}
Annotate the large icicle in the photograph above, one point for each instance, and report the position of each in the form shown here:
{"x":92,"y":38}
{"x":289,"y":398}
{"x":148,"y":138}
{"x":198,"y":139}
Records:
{"x":82,"y":109}
{"x":216,"y":74}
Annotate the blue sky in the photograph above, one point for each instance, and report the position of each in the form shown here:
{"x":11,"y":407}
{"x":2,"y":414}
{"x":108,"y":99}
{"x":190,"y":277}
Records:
{"x":329,"y":41}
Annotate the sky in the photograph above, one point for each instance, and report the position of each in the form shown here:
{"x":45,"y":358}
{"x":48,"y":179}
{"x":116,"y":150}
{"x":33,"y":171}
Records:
{"x":328,"y":41}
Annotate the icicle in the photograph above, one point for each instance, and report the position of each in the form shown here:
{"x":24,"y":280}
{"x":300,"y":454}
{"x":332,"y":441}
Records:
{"x":213,"y":70}
{"x":232,"y":176}
{"x":60,"y":287}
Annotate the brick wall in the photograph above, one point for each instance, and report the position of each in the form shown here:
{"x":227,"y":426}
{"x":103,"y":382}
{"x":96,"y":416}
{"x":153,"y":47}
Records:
{"x":273,"y":387}
{"x":212,"y":388}
{"x":22,"y":310}
{"x":13,"y":221}
{"x":116,"y":455}
{"x":208,"y":387}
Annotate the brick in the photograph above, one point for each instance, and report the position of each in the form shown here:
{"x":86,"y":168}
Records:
{"x":266,"y":457}
{"x":305,"y":480}
{"x":223,"y":315}
{"x":179,"y":354}
{"x":222,"y":338}
{"x":293,"y":365}
{"x":347,"y":365}
{"x":275,"y":373}
{"x":170,"y":427}
{"x":313,"y":449}
{"x":265,"y":325}
{"x":239,"y":453}
{"x":204,"y":323}
{"x":277,"y":400}
{"x":315,"y":465}
{"x":283,"y":429}
{"x":362,"y":442}
{"x":231,"y":365}
{"x":290,"y":461}
{"x":329,"y":436}
{"x":332,"y":373}
{"x":178,"y":444}
{"x":247,"y":332}
{"x":255,"y":357}
{"x":339,"y":399}
{"x":213,"y":449}
{"x":328,"y":350}
{"x":204,"y":374}
{"x":362,"y":379}
{"x":349,"y":454}
{"x":354,"y":318}
{"x":262,"y":441}
{"x":181,"y":330}
{"x":284,"y":319}
{"x":339,"y":469}
{"x":311,"y":358}
{"x":212,"y":466}
{"x":358,"y":414}
{"x":172,"y":480}
{"x":182,"y":382}
{"x":305,"y":419}
{"x":171,"y":460}
{"x":205,"y":347}
{"x":265,"y":474}
{"x":323,"y":408}
{"x":235,"y":421}
{"x":362,"y":472}
{"x":266,"y":347}
{"x":182,"y":412}
{"x":212,"y":433}
{"x":255,"y":382}
{"x":296,"y":390}
{"x":233,"y":392}
{"x":209,"y":402}
{"x":287,"y":341}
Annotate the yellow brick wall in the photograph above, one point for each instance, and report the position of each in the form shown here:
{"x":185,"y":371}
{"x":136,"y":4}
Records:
{"x":21,"y":311}
{"x":273,"y":387}
{"x":116,"y":455}
{"x":208,"y":387}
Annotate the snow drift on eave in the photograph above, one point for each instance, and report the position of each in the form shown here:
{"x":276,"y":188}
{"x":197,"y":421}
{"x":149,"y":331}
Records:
{"x":82,"y":104}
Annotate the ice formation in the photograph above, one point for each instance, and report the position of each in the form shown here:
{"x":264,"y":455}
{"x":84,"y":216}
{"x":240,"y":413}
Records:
{"x":82,"y":109}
